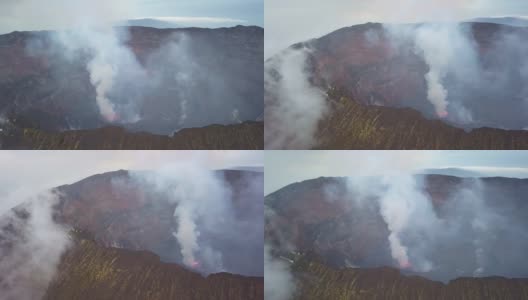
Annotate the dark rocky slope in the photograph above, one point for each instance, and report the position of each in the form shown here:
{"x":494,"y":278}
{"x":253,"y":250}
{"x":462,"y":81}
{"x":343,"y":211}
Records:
{"x":318,"y":281}
{"x":245,"y":136}
{"x":353,"y":125}
{"x":91,"y":271}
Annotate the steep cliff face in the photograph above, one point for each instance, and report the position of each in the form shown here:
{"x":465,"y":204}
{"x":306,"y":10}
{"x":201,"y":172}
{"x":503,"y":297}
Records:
{"x":383,"y":64}
{"x":112,"y":236}
{"x":373,"y":81}
{"x":353,"y":125}
{"x":246,"y":136}
{"x":339,"y":237}
{"x":91,"y":271}
{"x":118,"y":210}
{"x":318,"y":281}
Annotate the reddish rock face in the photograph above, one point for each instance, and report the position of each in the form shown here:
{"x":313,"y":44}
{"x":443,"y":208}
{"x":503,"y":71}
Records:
{"x":377,"y":94}
{"x":369,"y":71}
{"x":373,"y":66}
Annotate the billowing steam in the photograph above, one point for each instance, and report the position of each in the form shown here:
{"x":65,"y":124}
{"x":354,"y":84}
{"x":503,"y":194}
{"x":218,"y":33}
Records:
{"x":447,"y":51}
{"x":278,"y":281}
{"x":110,"y":63}
{"x":102,"y":76}
{"x":437,"y":55}
{"x":296,"y":107}
{"x":85,"y":28}
{"x":402,"y":206}
{"x":213,"y":235}
{"x":31,"y":245}
{"x":200,"y":197}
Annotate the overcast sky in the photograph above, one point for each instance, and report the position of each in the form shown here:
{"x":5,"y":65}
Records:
{"x":285,"y":167}
{"x":24,"y":173}
{"x":52,"y":14}
{"x":291,"y":21}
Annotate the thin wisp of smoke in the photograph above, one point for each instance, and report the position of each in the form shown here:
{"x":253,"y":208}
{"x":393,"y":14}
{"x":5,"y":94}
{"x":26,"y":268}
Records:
{"x":200,"y":197}
{"x":31,"y":245}
{"x":278,"y":280}
{"x":109,"y":62}
{"x":296,"y":107}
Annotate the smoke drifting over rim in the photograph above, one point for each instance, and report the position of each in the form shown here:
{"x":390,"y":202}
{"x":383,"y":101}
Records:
{"x":110,"y":61}
{"x":31,"y":245}
{"x":198,"y":195}
{"x":294,"y":106}
{"x":279,"y":283}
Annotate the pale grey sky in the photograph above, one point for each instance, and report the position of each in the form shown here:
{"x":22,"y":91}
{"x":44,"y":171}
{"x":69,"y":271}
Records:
{"x":291,"y":21}
{"x":23,"y":15}
{"x":285,"y":167}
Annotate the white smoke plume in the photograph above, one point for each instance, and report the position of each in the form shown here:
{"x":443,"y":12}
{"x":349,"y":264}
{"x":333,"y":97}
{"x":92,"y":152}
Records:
{"x":475,"y":73}
{"x":403,"y":207}
{"x":291,"y":120}
{"x":447,"y":51}
{"x":279,"y":283}
{"x":438,"y":60}
{"x":442,"y":46}
{"x":102,"y":77}
{"x":31,"y":245}
{"x":194,"y":72}
{"x":202,"y":201}
{"x":110,"y":62}
{"x":86,"y":26}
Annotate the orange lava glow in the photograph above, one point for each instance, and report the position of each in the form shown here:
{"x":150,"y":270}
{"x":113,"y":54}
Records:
{"x":195,"y":264}
{"x":112,"y":117}
{"x":405,"y":265}
{"x":443,"y":114}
